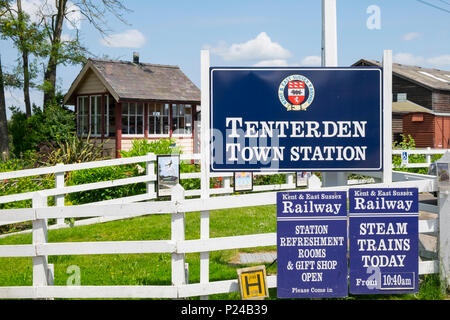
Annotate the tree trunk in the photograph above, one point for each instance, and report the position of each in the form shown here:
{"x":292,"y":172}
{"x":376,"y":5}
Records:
{"x":50,"y":82}
{"x":50,"y":72}
{"x":26,"y":83}
{"x":25,"y":64}
{"x":4,"y":142}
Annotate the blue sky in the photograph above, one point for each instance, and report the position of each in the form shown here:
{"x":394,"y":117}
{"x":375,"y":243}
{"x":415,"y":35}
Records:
{"x":262,"y":32}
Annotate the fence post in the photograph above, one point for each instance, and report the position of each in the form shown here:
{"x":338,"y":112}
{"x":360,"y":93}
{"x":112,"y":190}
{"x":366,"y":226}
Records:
{"x":289,"y":178}
{"x":444,"y":238}
{"x":205,"y":152}
{"x":150,"y":170}
{"x":41,"y":271}
{"x":428,"y":156}
{"x":227,"y":182}
{"x":178,"y":234}
{"x":59,"y":199}
{"x":444,"y":225}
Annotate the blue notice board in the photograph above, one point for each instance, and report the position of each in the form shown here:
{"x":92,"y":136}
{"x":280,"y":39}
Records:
{"x":312,"y":244}
{"x":383,"y":236}
{"x":296,"y":119}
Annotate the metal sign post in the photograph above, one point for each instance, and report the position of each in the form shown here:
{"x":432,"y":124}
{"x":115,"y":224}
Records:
{"x":329,"y":34}
{"x":330,"y":59}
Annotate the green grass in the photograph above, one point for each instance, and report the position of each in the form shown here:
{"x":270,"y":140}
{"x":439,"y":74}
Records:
{"x":155,"y":269}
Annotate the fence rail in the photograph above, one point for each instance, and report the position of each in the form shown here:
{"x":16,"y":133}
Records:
{"x":428,"y":152}
{"x":177,"y":246}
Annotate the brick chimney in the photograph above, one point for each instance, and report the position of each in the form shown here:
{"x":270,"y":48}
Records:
{"x":136,"y":57}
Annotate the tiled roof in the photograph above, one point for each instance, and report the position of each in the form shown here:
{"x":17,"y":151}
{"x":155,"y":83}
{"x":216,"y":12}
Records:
{"x":147,"y":81}
{"x":140,"y":81}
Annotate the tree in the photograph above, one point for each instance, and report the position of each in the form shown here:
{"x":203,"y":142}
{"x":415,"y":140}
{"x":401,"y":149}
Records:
{"x":71,"y":52}
{"x":6,"y":80}
{"x":22,"y":43}
{"x":4,"y":141}
{"x":27,"y":37}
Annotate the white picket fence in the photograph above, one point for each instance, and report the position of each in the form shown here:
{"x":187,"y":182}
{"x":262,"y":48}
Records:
{"x":177,"y":246}
{"x":428,"y":152}
{"x":149,"y":178}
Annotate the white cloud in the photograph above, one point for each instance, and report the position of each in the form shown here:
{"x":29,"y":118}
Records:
{"x":14,"y":97}
{"x":74,"y":16}
{"x":272,"y":63}
{"x":128,"y":39}
{"x":411,"y":36}
{"x":311,"y":61}
{"x":32,"y":8}
{"x":66,"y":37}
{"x":410,"y":59}
{"x":440,"y":61}
{"x":36,"y":8}
{"x":259,"y":48}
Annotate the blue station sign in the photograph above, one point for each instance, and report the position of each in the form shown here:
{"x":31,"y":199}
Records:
{"x":383,"y":236}
{"x":312,"y":244}
{"x":302,"y":119}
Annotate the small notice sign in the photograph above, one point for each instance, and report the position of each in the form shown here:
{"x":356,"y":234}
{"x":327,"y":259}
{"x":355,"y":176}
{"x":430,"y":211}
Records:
{"x":312,"y":244}
{"x":301,"y":179}
{"x":168,"y":174}
{"x":253,"y":283}
{"x":404,"y":158}
{"x":243,"y":181}
{"x":383,"y":228}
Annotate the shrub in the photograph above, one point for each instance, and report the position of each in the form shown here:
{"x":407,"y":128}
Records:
{"x":54,"y":124}
{"x":11,"y":165}
{"x":103,"y":174}
{"x":271,"y":179}
{"x":72,"y":150}
{"x":20,"y":185}
{"x":141,"y":147}
{"x":164,"y":146}
{"x":408,"y":143}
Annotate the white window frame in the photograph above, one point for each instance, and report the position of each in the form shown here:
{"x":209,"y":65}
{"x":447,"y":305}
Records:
{"x":126,"y":135}
{"x":158,"y":135}
{"x":82,"y":116}
{"x":97,"y":111}
{"x":106,"y":115}
{"x":174,"y":117}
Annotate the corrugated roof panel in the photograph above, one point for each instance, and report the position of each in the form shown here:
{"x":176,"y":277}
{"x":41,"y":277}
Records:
{"x":433,"y":76}
{"x":430,"y":78}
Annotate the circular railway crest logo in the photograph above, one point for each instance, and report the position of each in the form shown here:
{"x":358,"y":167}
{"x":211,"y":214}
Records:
{"x":296,"y":92}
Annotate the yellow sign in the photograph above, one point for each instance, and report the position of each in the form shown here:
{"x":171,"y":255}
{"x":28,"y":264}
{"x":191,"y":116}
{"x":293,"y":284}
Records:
{"x":252,"y":283}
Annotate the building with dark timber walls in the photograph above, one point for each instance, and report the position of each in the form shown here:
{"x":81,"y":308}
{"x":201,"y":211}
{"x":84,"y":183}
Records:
{"x":421,"y":104}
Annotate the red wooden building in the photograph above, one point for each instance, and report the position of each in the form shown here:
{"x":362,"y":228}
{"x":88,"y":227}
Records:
{"x":421,"y":103}
{"x":118,"y":101}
